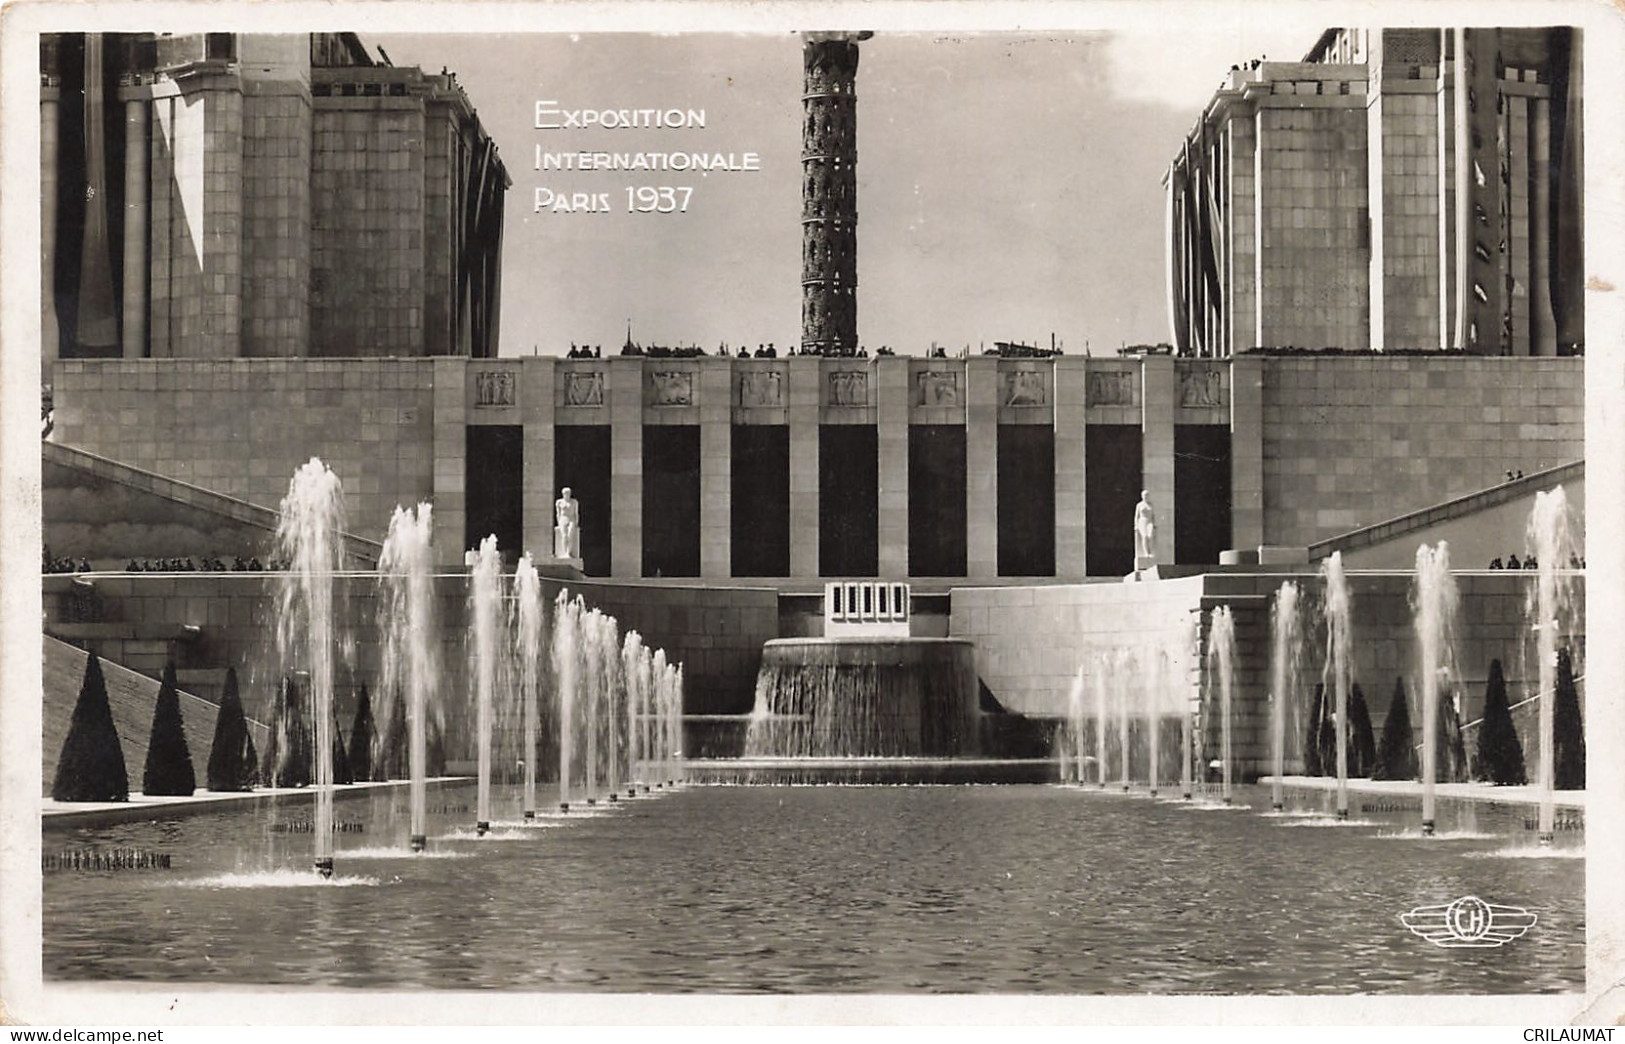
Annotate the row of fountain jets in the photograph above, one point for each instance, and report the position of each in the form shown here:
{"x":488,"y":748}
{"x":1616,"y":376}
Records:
{"x":617,"y":699}
{"x":1147,"y":674}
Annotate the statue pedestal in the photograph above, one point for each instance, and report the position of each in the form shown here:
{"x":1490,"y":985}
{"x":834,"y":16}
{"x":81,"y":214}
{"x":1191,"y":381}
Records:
{"x":1145,"y":568}
{"x":556,"y":560}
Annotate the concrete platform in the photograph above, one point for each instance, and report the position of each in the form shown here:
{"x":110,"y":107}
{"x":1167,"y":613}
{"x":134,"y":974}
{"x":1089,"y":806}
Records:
{"x":849,"y":771}
{"x":1395,"y":789}
{"x":67,"y":815}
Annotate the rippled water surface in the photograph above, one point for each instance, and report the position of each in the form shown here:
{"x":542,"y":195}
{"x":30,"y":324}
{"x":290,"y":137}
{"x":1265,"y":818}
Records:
{"x":822,"y":889}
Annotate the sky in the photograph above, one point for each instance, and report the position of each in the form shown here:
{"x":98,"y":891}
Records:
{"x":1009,"y":185}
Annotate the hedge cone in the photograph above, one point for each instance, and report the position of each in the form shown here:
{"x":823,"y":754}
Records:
{"x":1396,"y":752}
{"x":231,"y":758}
{"x":91,"y":766}
{"x":1500,"y":755}
{"x":168,"y":772}
{"x":1568,"y":730}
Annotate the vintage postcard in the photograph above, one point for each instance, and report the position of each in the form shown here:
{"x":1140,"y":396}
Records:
{"x":846,"y":513}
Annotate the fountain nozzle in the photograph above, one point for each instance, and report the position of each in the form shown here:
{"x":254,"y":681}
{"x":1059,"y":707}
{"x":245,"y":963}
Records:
{"x":1277,"y":806}
{"x":324,"y":866}
{"x":1342,"y":813}
{"x":482,"y":828}
{"x":418,"y":842}
{"x":564,"y":806}
{"x":591,"y":802}
{"x":1546,"y":839}
{"x":530,"y":813}
{"x":1427,"y":828}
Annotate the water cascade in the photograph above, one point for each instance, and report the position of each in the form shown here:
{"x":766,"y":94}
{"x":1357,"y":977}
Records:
{"x":409,"y":666}
{"x":1551,"y":539}
{"x":1339,"y":669}
{"x":1286,"y":646}
{"x":1222,"y":666}
{"x":308,"y":539}
{"x":528,"y":626}
{"x":854,"y":697}
{"x":486,"y":608}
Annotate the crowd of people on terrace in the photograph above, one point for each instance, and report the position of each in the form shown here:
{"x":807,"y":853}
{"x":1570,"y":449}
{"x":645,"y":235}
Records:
{"x":1002,"y":349}
{"x":1530,"y":562}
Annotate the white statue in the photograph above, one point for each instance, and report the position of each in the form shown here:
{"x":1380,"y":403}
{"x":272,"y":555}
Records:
{"x":1145,"y":528}
{"x":566,"y":526}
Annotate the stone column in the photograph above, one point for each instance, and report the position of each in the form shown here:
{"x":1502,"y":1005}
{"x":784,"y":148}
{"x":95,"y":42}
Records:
{"x":625,"y":391}
{"x":48,"y":140}
{"x":716,"y":467}
{"x":1157,"y":389}
{"x":134,"y":333}
{"x":1543,"y":339}
{"x":1068,"y":395}
{"x":982,"y":467}
{"x":891,"y":418}
{"x":1246,"y":451}
{"x":536,"y":376}
{"x":806,"y":393}
{"x":450,"y":464}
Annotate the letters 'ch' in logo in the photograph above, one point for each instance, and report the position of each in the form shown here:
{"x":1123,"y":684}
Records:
{"x":1469,"y":921}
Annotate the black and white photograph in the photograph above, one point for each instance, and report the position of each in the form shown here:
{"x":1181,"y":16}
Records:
{"x":505,"y":553}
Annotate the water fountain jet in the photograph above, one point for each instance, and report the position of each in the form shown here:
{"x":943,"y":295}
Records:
{"x":529,"y":606}
{"x":1286,"y":646}
{"x":1550,"y":537}
{"x":308,"y":539}
{"x":406,"y":615}
{"x":1221,"y":663}
{"x":1339,"y":667}
{"x":487,"y":605}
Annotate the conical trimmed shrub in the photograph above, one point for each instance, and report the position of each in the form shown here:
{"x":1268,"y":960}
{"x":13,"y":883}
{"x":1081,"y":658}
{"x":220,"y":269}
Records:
{"x":435,"y":750}
{"x":231,"y":758}
{"x":1500,"y":755}
{"x":361,"y":739}
{"x":1568,"y":730}
{"x":394,"y":755}
{"x":168,"y":772}
{"x":1451,"y":763}
{"x":1396,"y":752}
{"x":91,"y":766}
{"x":1362,"y":741}
{"x":341,"y":760}
{"x":1313,"y":763}
{"x":288,"y":757}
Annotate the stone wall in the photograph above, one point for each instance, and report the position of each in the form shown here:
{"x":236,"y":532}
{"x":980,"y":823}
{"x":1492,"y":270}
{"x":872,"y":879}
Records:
{"x":1032,"y":641}
{"x":139,"y":621}
{"x":242,"y":427}
{"x":1319,"y":445}
{"x":132,"y":697}
{"x":367,"y":231}
{"x":1351,"y":441}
